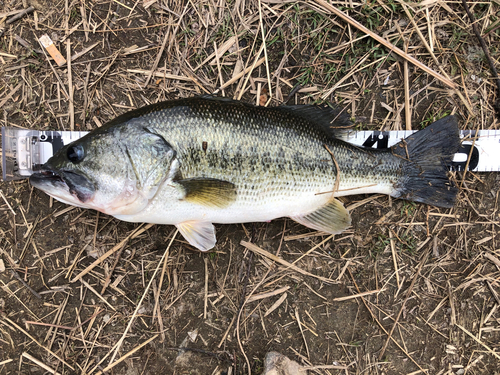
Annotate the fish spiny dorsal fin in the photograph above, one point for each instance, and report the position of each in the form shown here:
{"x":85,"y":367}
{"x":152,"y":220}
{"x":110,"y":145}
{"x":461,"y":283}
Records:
{"x":332,"y":120}
{"x":332,"y":218}
{"x":329,"y":118}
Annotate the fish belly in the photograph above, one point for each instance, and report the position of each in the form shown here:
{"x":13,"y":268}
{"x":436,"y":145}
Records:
{"x":251,"y":206}
{"x":256,"y":205}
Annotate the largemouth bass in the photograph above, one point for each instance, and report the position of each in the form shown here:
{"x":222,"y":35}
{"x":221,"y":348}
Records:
{"x":197,"y":161}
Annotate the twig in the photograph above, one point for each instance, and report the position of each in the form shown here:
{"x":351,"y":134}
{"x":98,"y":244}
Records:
{"x":82,"y":52}
{"x":261,"y":23}
{"x":268,"y":294}
{"x":47,"y":325}
{"x":120,"y":342}
{"x":431,"y":52}
{"x":205,"y":299}
{"x":407,"y":96}
{"x":110,"y":366}
{"x":389,"y":45}
{"x":486,"y":53}
{"x":115,"y":263}
{"x":374,"y":317}
{"x":36,"y":342}
{"x":260,"y":251}
{"x":11,"y":94}
{"x":218,"y":52}
{"x":134,"y":234}
{"x":19,"y":15}
{"x":408,"y":294}
{"x":97,"y":294}
{"x":70,"y":87}
{"x":158,"y":57}
{"x":394,"y":257}
{"x":16,"y":275}
{"x":156,"y":308}
{"x":40,"y":363}
{"x":359,"y":295}
{"x":297,"y":317}
{"x":478,"y":341}
{"x":290,"y":96}
{"x":7,"y":203}
{"x":495,"y":294}
{"x":276,"y":304}
{"x":25,"y":44}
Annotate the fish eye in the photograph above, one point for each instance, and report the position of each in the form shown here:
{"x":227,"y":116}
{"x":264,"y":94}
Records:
{"x":76,"y":153}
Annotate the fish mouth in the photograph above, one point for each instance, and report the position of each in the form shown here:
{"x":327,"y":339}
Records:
{"x":64,"y":185}
{"x":47,"y":180}
{"x":45,"y":176}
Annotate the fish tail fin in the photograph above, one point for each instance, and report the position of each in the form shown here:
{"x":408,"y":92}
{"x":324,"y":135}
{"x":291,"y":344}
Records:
{"x":429,"y":153}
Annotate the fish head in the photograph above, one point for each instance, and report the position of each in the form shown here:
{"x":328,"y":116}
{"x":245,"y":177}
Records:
{"x":116,"y":171}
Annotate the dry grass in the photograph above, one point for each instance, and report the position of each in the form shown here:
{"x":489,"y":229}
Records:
{"x":409,"y":289}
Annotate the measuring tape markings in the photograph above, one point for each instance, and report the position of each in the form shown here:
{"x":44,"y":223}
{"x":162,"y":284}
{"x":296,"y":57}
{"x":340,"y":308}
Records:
{"x":485,"y":146}
{"x":25,"y":151}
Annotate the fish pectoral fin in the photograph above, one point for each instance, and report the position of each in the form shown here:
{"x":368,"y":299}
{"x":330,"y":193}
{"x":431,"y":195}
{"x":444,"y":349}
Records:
{"x":208,"y":192}
{"x":332,"y":218}
{"x":200,"y":234}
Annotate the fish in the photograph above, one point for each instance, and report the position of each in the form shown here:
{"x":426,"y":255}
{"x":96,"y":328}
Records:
{"x":197,"y":161}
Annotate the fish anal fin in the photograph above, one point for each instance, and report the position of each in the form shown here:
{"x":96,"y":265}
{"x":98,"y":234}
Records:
{"x":200,"y":234}
{"x":332,"y":218}
{"x":209,"y":192}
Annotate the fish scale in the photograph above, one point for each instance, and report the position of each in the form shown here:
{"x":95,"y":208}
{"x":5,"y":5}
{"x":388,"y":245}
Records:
{"x":257,"y":154}
{"x":197,"y":161}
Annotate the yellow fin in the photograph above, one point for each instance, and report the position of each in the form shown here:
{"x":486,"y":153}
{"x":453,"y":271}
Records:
{"x":200,"y":234}
{"x":208,"y":192}
{"x":332,"y":218}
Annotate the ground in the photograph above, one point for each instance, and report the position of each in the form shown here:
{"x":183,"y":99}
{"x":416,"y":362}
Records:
{"x":407,"y":289}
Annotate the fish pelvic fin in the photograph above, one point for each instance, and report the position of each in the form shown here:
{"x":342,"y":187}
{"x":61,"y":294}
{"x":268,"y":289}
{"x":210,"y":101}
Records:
{"x":332,"y":218}
{"x":428,"y":152}
{"x":200,"y":234}
{"x":208,"y":192}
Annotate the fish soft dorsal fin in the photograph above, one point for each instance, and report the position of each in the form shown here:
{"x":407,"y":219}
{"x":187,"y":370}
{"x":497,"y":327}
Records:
{"x":331,"y":119}
{"x":200,"y":234}
{"x":209,"y":192}
{"x":332,"y":218}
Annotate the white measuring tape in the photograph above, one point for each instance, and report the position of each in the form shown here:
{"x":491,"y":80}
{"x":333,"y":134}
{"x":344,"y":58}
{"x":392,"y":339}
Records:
{"x":25,"y":151}
{"x":482,"y":146}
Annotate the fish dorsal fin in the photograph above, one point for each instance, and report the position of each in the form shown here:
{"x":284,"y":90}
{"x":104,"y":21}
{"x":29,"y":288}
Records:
{"x":332,"y":218}
{"x":209,"y":192}
{"x":216,"y":98}
{"x":200,"y":234}
{"x":331,"y":119}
